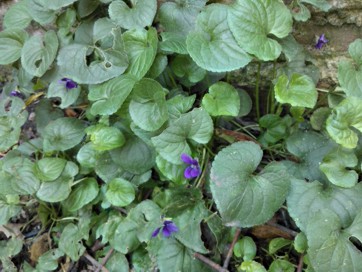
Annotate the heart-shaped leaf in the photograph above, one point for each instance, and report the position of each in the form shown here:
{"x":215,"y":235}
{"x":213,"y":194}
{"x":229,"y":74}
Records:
{"x":120,"y":192}
{"x":48,"y":169}
{"x":252,"y":21}
{"x":67,"y":96}
{"x":347,"y":114}
{"x":82,"y":194}
{"x":7,"y":210}
{"x":172,"y":142}
{"x":63,"y":134}
{"x":330,"y":246}
{"x":243,"y":198}
{"x":88,"y":64}
{"x":39,"y":53}
{"x":180,"y":16}
{"x":212,"y":45}
{"x":17,"y":16}
{"x":335,"y":165}
{"x":222,"y":100}
{"x":55,"y":4}
{"x":141,"y":48}
{"x":38,"y":11}
{"x":350,"y":73}
{"x":173,"y":42}
{"x":298,"y":91}
{"x":139,"y":14}
{"x":148,"y":107}
{"x":184,"y":67}
{"x":11,"y":43}
{"x":70,"y":242}
{"x":109,"y":96}
{"x":305,"y":199}
{"x":105,"y":138}
{"x":179,"y":104}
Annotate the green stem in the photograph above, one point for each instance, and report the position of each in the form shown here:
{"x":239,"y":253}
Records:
{"x":271,"y":91}
{"x":257,"y":106}
{"x":78,"y":181}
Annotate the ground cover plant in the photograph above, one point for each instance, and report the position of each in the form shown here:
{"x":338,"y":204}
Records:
{"x":146,"y":155}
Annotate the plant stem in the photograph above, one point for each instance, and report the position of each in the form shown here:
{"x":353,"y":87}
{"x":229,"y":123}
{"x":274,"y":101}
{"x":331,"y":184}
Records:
{"x":94,"y":262}
{"x":105,"y":259}
{"x":230,"y":252}
{"x":257,"y":106}
{"x":300,"y":264}
{"x":210,"y":263}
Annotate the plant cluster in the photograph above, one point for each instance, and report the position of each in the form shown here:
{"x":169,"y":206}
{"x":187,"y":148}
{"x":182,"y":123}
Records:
{"x":146,"y":156}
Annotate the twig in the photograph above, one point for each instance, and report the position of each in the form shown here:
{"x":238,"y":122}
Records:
{"x":94,"y":262}
{"x":105,"y":259}
{"x":289,"y":231}
{"x":97,"y":246}
{"x":210,"y":263}
{"x":230,"y":252}
{"x":300,"y":264}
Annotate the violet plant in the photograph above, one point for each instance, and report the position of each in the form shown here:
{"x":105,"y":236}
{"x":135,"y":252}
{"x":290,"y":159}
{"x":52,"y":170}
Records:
{"x":120,"y":93}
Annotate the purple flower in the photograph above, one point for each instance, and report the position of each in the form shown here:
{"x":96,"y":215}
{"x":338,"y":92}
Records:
{"x":15,"y":93}
{"x":69,"y":84}
{"x":193,"y":170}
{"x":321,"y":41}
{"x":167,"y":229}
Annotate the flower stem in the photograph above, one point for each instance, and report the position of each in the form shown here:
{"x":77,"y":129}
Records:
{"x":257,"y":86}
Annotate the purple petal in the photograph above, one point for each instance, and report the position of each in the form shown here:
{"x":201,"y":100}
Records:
{"x":169,"y":228}
{"x":71,"y":84}
{"x":155,"y":232}
{"x":192,"y":172}
{"x":187,"y":172}
{"x":321,"y":41}
{"x":187,"y":159}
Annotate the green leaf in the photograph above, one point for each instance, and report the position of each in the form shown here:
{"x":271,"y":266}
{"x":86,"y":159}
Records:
{"x":184,"y":67}
{"x":141,"y":48}
{"x":301,"y":13}
{"x":172,"y":142}
{"x":117,"y":263}
{"x":39,"y":53}
{"x":173,"y":172}
{"x":141,"y":260}
{"x":319,"y":118}
{"x":189,"y":233}
{"x":245,"y":103}
{"x":105,"y":138}
{"x":347,"y":114}
{"x":82,"y":194}
{"x":180,"y":16}
{"x":137,"y":227}
{"x":173,"y":42}
{"x":59,"y":189}
{"x":70,"y":242}
{"x":21,"y":177}
{"x":278,"y":243}
{"x":300,"y":243}
{"x":140,"y":156}
{"x":158,"y":66}
{"x":253,"y":21}
{"x":17,"y":16}
{"x":321,"y":4}
{"x":148,"y":107}
{"x":49,"y":260}
{"x":281,"y":266}
{"x":242,"y":198}
{"x":48,"y":169}
{"x":350,"y":73}
{"x":63,"y":134}
{"x":277,"y":128}
{"x":11,"y":43}
{"x":212,"y":45}
{"x":171,"y":255}
{"x":252,"y":266}
{"x":330,"y":247}
{"x":55,"y":4}
{"x":68,"y":97}
{"x":179,"y":104}
{"x":120,"y":192}
{"x":310,"y":148}
{"x":109,"y":96}
{"x":88,"y":64}
{"x":299,"y":91}
{"x":45,"y":112}
{"x":222,"y":100}
{"x":335,"y":166}
{"x":139,"y":14}
{"x":10,"y":247}
{"x":7,"y":210}
{"x":87,"y":156}
{"x":245,"y":248}
{"x":39,"y":12}
{"x":305,"y":199}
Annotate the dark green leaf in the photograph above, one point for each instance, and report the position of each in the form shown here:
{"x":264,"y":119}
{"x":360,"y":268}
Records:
{"x":120,"y":192}
{"x":11,"y":43}
{"x":70,"y":242}
{"x":48,"y":169}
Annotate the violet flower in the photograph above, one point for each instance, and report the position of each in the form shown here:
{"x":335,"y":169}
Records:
{"x":193,"y":170}
{"x":15,"y":93}
{"x":69,"y":84}
{"x":321,"y":42}
{"x":167,"y":229}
